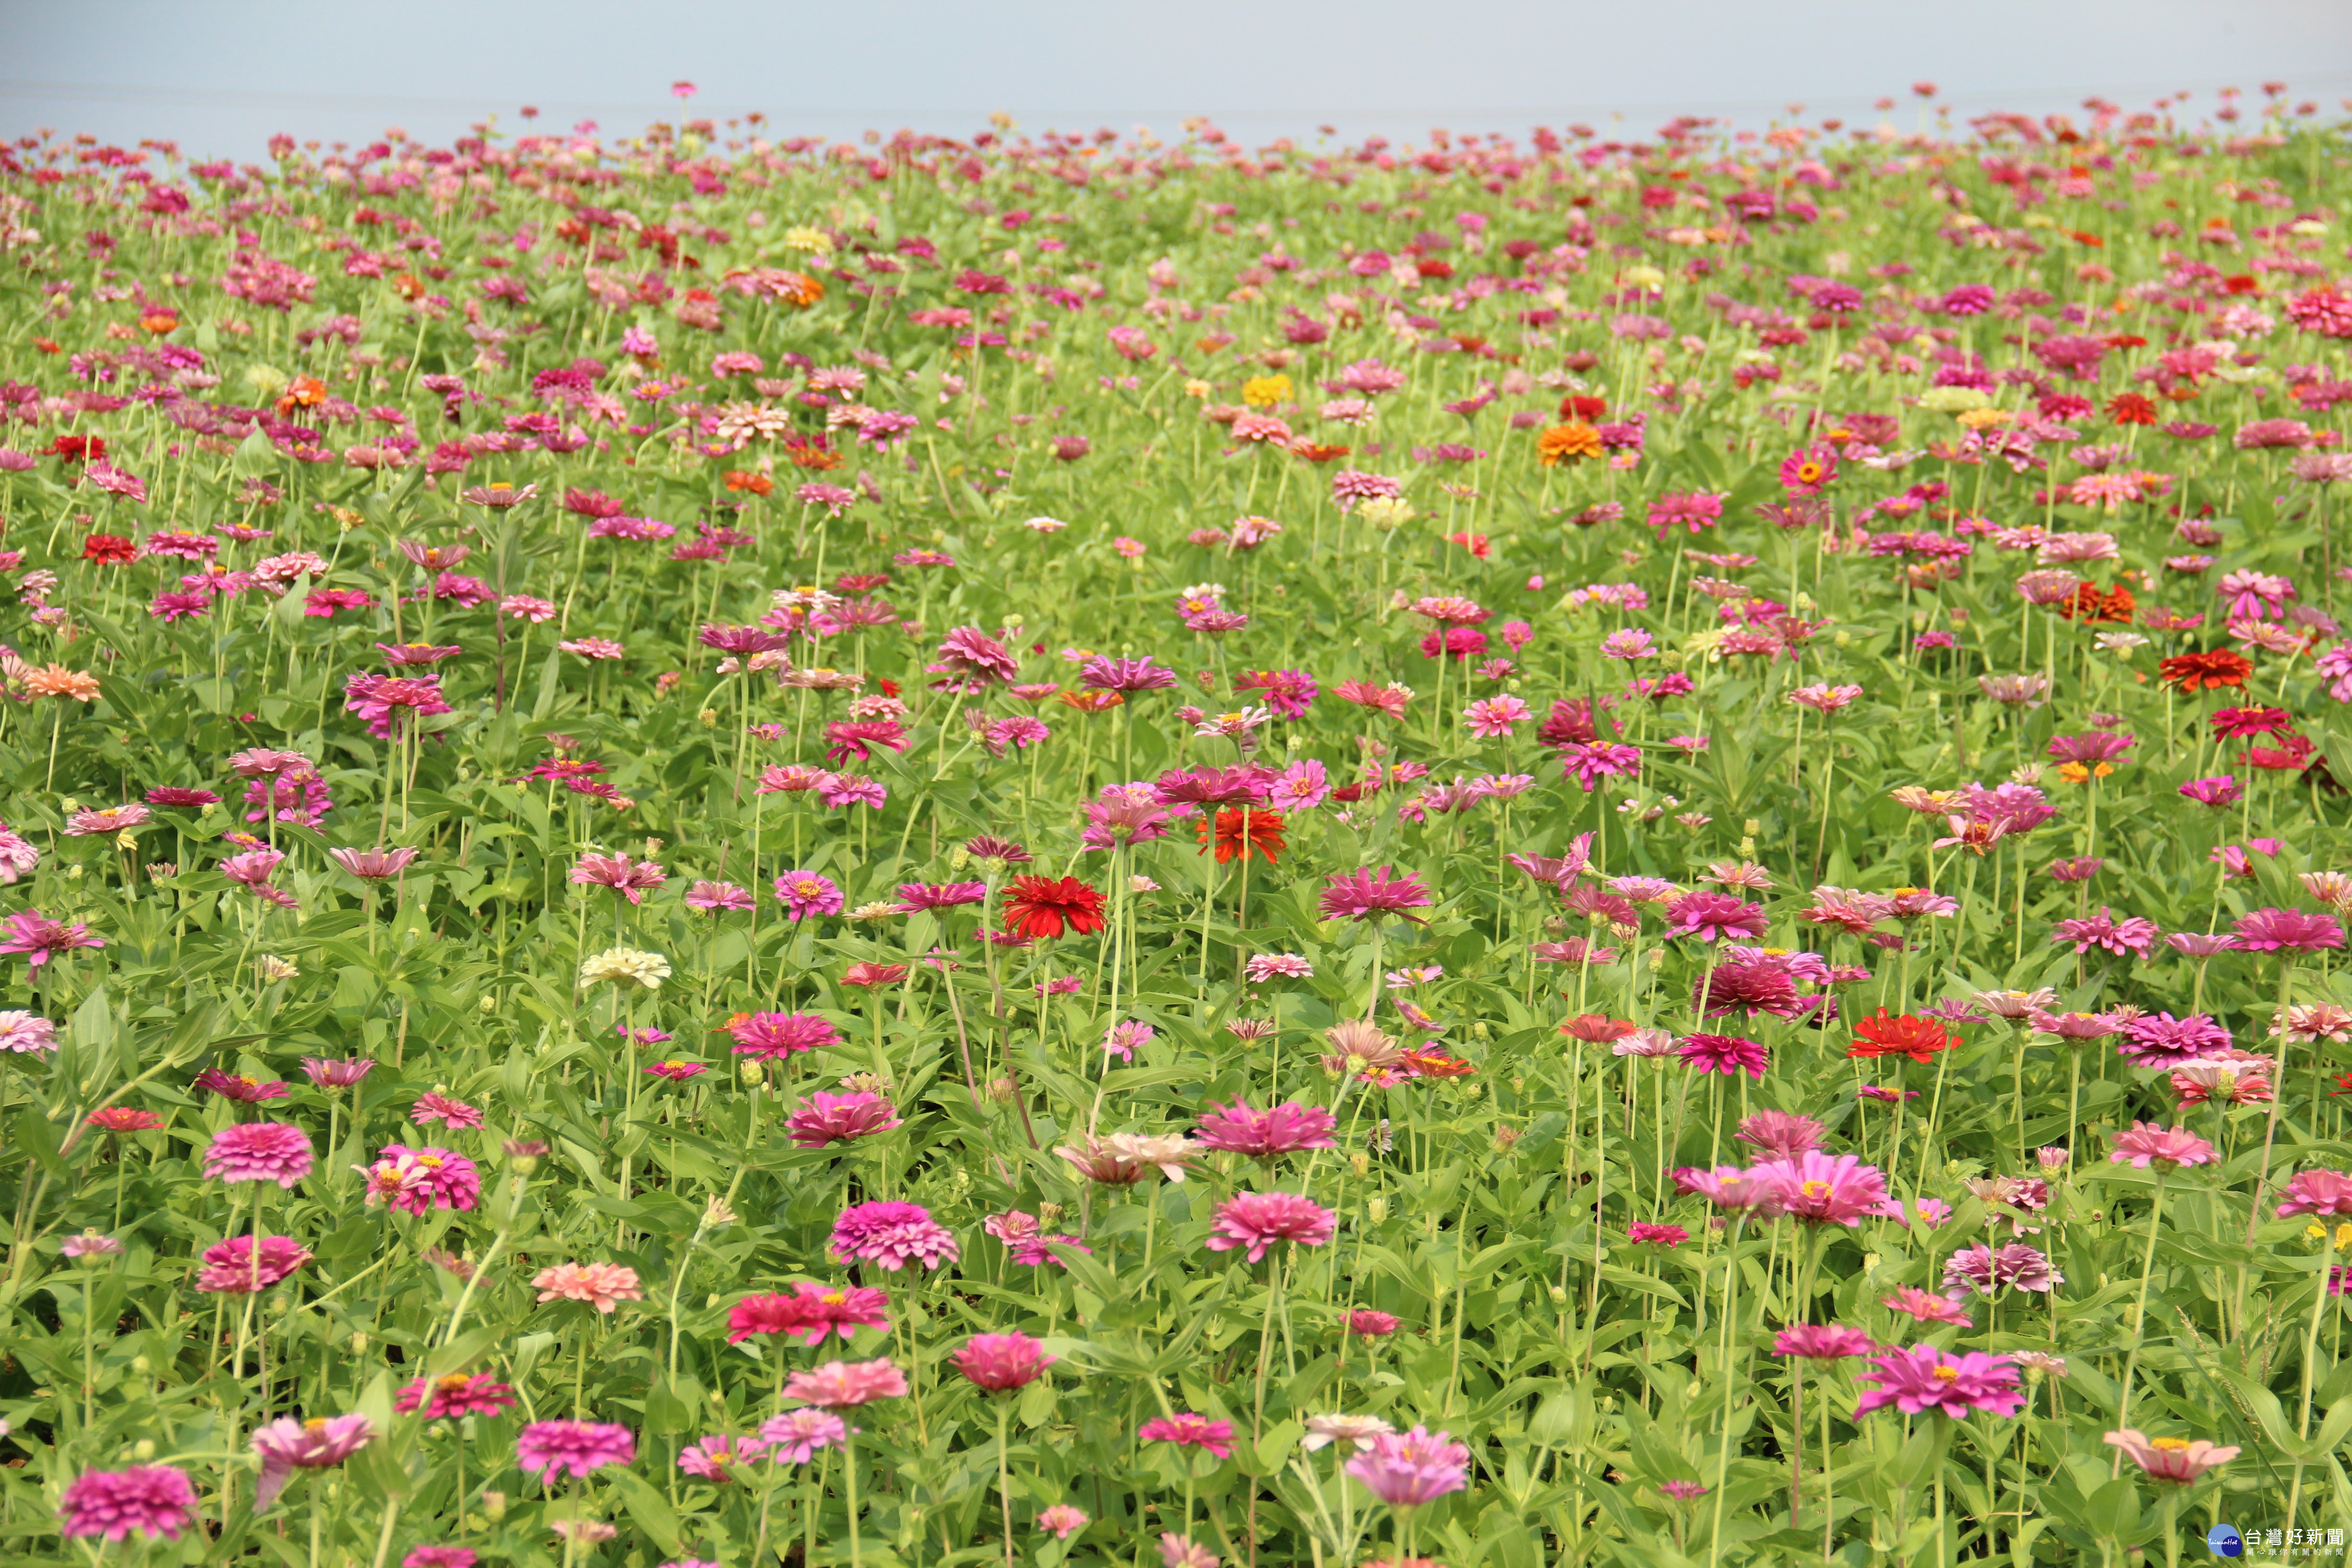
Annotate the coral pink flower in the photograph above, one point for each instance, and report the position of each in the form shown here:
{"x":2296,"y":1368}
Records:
{"x":2165,"y":1147}
{"x":603,"y":1286}
{"x":1808,"y":1341}
{"x":1822,"y":1189}
{"x":287,"y":1445}
{"x":2174,"y":1459}
{"x":1002,"y":1362}
{"x":843,"y":1385}
{"x":809,"y":1313}
{"x":1926,"y":1306}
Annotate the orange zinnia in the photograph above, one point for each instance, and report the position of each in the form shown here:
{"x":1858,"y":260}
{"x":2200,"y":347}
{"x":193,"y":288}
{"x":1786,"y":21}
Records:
{"x":1562,"y":443}
{"x":2197,"y":671}
{"x":1901,"y":1036}
{"x":1241,"y":830}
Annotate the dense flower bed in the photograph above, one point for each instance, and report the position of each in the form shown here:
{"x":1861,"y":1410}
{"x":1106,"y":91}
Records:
{"x":725,"y":850}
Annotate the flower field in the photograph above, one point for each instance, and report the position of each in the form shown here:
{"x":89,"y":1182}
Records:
{"x":722,"y":849}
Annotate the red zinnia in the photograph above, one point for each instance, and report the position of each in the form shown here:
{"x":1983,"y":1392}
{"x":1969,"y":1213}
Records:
{"x":1904,"y":1036}
{"x":2195,"y":671}
{"x":2131,"y":408}
{"x":1241,"y":830}
{"x":110,"y":548}
{"x":1038,"y":907}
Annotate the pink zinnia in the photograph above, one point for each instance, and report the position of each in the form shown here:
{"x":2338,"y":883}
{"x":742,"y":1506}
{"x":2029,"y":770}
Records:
{"x":1926,"y":1307}
{"x":603,"y":1286}
{"x":2165,"y":1041}
{"x":1366,"y":894}
{"x":809,"y":1313}
{"x":630,"y":879}
{"x":804,"y":893}
{"x":287,"y":1445}
{"x":1186,"y":1429}
{"x":2165,"y":1147}
{"x":2175,"y":1459}
{"x":1822,"y":1189}
{"x":1285,"y":1128}
{"x":1821,"y":1342}
{"x":825,"y":1118}
{"x":575,"y":1449}
{"x":843,"y":1385}
{"x":259,"y":1151}
{"x":1405,"y":1469}
{"x":1367,"y":1324}
{"x":2317,"y":1192}
{"x":31,"y":933}
{"x":431,"y":1107}
{"x":796,"y":1437}
{"x":1667,"y":1235}
{"x":1725,"y":1053}
{"x":458,"y":1395}
{"x":1258,"y":1220}
{"x":766,"y":1035}
{"x":1715,"y":917}
{"x":2294,"y":931}
{"x":1002,"y":1362}
{"x":144,"y":1499}
{"x":1781,"y":1134}
{"x":1955,"y":1384}
{"x":230,"y":1267}
{"x":893,"y":1234}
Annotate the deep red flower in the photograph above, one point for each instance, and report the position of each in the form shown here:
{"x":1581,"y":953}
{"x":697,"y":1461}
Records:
{"x":2131,"y":408}
{"x":1039,"y":907}
{"x":110,"y":548}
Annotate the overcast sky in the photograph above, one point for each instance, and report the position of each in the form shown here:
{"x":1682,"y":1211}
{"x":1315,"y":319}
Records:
{"x":221,"y":76}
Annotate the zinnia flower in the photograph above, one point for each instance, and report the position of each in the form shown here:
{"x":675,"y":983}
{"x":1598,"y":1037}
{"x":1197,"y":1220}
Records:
{"x":1259,"y":1220}
{"x":259,"y":1151}
{"x":575,"y":1449}
{"x":1922,"y":1378}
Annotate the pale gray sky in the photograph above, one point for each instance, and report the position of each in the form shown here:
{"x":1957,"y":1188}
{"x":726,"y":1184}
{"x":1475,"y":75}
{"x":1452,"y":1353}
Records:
{"x":222,"y":75}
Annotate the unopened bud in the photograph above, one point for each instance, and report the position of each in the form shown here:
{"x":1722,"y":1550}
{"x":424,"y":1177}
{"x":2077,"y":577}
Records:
{"x":1376,"y":1208}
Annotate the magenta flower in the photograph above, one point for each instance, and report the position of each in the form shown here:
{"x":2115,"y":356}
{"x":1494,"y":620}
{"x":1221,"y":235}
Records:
{"x":916,"y":897}
{"x":805,"y":893}
{"x":432,"y":1107}
{"x":259,"y":1151}
{"x":2213,"y":792}
{"x":143,"y":1500}
{"x":1102,"y":673}
{"x":630,"y":879}
{"x":1715,"y":917}
{"x":458,"y":1395}
{"x":1821,"y":1342}
{"x":1951,"y":1383}
{"x":575,"y":1449}
{"x":1285,"y":1128}
{"x":826,"y":1118}
{"x":1365,"y":894}
{"x":974,"y":660}
{"x":1723,"y":1054}
{"x":1259,"y":1220}
{"x":892,"y":1235}
{"x":1667,"y":1235}
{"x":1187,"y":1430}
{"x":32,"y":932}
{"x":1697,"y":509}
{"x":2164,"y":1147}
{"x":1002,"y":1362}
{"x":767,"y":1036}
{"x":713,"y":897}
{"x":1405,"y":1469}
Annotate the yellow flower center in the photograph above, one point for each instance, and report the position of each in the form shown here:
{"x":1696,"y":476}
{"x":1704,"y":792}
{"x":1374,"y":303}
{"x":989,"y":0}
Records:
{"x":2170,"y":1445}
{"x":453,"y":1383}
{"x":1809,"y":472}
{"x":1816,"y":1189}
{"x":833,"y":1297}
{"x":501,"y":485}
{"x":430,"y":1161}
{"x":1947,"y":1374}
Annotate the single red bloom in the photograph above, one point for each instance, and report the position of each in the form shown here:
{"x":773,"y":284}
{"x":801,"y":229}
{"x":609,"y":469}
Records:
{"x":2131,"y":408}
{"x":2197,"y":671}
{"x":1241,"y":830}
{"x":110,"y":548}
{"x":1904,"y":1036}
{"x":1040,"y":907}
{"x":122,"y":1119}
{"x":79,"y":448}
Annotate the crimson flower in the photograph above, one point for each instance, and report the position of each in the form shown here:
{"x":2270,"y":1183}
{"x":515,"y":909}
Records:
{"x":1040,"y":907}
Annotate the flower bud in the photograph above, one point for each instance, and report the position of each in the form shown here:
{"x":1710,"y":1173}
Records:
{"x":1376,"y":1208}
